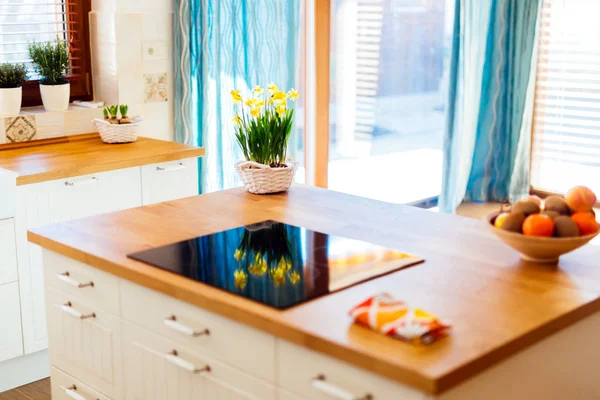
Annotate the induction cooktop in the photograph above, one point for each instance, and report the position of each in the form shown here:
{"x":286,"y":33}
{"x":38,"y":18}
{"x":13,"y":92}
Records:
{"x":276,"y":264}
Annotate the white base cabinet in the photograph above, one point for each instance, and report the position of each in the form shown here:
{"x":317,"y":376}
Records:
{"x":24,"y":326}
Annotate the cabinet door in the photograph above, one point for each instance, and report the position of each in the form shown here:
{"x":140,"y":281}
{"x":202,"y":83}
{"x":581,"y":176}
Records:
{"x":84,"y":342}
{"x":169,"y":181}
{"x":56,"y":201}
{"x":8,"y":251}
{"x":159,"y":369}
{"x":11,"y":342}
{"x":65,"y":387}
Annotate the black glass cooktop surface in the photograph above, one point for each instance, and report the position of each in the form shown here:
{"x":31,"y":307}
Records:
{"x":276,"y":264}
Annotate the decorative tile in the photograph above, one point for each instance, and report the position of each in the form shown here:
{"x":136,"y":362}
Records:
{"x":155,"y":88}
{"x":20,"y":129}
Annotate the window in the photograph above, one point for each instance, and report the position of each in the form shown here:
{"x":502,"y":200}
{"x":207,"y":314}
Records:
{"x":566,"y":132}
{"x":22,"y":21}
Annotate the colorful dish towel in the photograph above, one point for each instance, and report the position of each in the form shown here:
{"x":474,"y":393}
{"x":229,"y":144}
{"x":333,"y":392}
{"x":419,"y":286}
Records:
{"x":391,"y":317}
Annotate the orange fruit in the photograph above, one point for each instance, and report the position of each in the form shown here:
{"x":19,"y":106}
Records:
{"x":580,"y":198}
{"x":500,"y":219}
{"x":586,"y":221}
{"x":538,"y":225}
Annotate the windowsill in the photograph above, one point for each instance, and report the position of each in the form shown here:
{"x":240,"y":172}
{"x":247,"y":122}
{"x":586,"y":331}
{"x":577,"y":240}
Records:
{"x":41,"y":110}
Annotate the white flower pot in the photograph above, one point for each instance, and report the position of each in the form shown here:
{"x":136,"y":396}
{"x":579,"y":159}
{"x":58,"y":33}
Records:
{"x":55,"y":97}
{"x":10,"y":101}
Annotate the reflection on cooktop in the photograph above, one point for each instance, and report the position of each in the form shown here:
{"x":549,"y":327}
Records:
{"x":276,"y":264}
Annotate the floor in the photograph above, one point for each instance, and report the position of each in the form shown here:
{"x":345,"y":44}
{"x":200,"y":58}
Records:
{"x":39,"y":390}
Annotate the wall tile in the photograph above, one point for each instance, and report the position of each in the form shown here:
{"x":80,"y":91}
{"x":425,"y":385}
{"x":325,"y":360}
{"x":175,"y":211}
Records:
{"x":79,"y":120}
{"x":131,"y":89}
{"x":157,"y":26}
{"x":144,"y":5}
{"x":102,"y":28}
{"x":129,"y":29}
{"x":50,"y":124}
{"x":104,"y":59}
{"x":155,"y":87}
{"x":105,"y":5}
{"x":20,"y":129}
{"x":106,"y":89}
{"x":155,"y":121}
{"x":129,"y":60}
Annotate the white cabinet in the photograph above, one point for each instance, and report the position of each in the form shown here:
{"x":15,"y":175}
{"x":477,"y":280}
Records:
{"x":169,"y":180}
{"x":159,"y":369}
{"x":56,"y":201}
{"x":85,"y":342}
{"x":8,"y":251}
{"x":65,"y":387}
{"x":11,"y":342}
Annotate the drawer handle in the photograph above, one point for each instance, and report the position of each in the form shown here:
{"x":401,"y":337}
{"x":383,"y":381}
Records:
{"x":66,"y":278}
{"x":320,"y":383}
{"x":171,"y":168}
{"x":172,"y":323}
{"x":68,"y":308}
{"x":71,"y":391}
{"x":173,"y":358}
{"x":89,"y":181}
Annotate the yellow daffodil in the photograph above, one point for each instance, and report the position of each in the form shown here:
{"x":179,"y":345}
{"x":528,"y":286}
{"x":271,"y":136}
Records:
{"x":272,"y":87}
{"x":255,"y":112}
{"x":251,"y":102}
{"x":259,"y":104}
{"x":284,"y":264}
{"x":292,"y":94}
{"x":278,"y":96}
{"x":236,"y":96}
{"x":239,"y":254}
{"x":257,"y":89}
{"x":278,"y":276}
{"x":240,"y":279}
{"x":294,"y":277}
{"x":237,"y":120}
{"x":259,"y":267}
{"x":281,"y":109}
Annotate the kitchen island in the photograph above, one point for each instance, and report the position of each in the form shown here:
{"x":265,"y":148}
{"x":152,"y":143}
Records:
{"x":520,"y":330}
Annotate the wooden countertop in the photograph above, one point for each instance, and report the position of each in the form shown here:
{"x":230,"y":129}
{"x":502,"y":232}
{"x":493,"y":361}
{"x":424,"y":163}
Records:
{"x":498,"y":304}
{"x":87,"y":154}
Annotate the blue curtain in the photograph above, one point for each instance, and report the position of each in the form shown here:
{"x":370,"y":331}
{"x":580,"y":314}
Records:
{"x":220,"y":45}
{"x":488,"y":133}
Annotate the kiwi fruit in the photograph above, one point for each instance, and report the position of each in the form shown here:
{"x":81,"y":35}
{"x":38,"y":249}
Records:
{"x":558,"y":204}
{"x":565,"y":227}
{"x":527,"y":207}
{"x":551,"y":213}
{"x":513,"y":221}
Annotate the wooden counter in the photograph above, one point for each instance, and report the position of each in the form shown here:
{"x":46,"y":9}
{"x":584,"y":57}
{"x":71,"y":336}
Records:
{"x":87,"y":154}
{"x":498,"y":304}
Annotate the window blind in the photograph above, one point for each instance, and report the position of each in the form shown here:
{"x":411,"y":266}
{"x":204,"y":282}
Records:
{"x":566,"y":129}
{"x":24,"y":21}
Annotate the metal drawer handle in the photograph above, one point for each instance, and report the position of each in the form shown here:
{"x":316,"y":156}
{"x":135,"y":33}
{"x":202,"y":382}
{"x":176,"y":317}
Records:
{"x":172,"y":168}
{"x":66,"y":278}
{"x":89,"y":181}
{"x":173,"y":358}
{"x":74,"y":313}
{"x":172,"y":323}
{"x":71,"y":391}
{"x":321,"y":384}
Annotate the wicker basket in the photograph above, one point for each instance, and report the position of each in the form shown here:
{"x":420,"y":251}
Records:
{"x":115,"y":133}
{"x":262,"y":179}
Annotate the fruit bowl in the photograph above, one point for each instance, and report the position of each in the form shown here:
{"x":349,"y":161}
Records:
{"x":538,"y":249}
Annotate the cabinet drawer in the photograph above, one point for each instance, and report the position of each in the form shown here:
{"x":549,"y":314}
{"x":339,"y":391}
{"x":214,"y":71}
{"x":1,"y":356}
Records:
{"x":8,"y":251}
{"x":161,"y":369}
{"x":11,"y":342}
{"x":84,"y":342}
{"x":215,"y":337}
{"x":317,"y":377}
{"x":8,"y":189}
{"x":65,"y":387}
{"x":169,"y":180}
{"x":82,"y":196}
{"x":85,"y":283}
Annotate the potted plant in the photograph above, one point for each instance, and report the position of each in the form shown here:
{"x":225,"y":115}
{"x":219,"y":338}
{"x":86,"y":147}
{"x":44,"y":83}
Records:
{"x":263,"y":125}
{"x":12,"y":77}
{"x":113,"y":129}
{"x":51,"y":62}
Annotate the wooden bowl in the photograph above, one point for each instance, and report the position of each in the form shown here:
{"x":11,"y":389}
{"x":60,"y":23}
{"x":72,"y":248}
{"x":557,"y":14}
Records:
{"x":538,"y":249}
